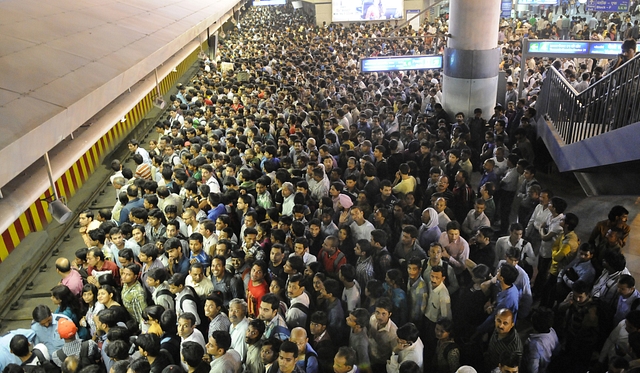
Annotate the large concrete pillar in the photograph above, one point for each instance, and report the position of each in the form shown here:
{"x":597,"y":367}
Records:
{"x":472,"y":57}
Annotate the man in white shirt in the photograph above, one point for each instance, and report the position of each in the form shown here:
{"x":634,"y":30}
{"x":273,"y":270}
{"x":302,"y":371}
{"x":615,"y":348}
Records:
{"x":549,"y":231}
{"x":134,"y":147}
{"x":360,"y":228}
{"x":351,"y":291}
{"x":209,"y":178}
{"x":514,"y":239}
{"x":239,"y":325}
{"x":207,"y":228}
{"x":408,"y":348}
{"x":539,"y":217}
{"x":198,"y":281}
{"x":438,"y":305}
{"x":188,"y":332}
{"x":297,"y":313}
{"x":475,"y":219}
{"x":382,"y":334}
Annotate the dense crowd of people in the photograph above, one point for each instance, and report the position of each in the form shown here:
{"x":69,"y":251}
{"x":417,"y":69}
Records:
{"x":295,"y":215}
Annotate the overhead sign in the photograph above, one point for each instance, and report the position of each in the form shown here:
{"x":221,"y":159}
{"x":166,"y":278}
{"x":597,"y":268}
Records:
{"x":603,"y":49}
{"x":505,"y":8}
{"x":401,"y":63}
{"x":611,"y":48}
{"x":607,"y":5}
{"x":538,"y":2}
{"x":558,"y":47}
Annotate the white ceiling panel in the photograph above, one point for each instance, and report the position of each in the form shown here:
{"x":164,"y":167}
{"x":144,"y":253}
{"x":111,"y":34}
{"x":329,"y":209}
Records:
{"x":31,"y":70}
{"x":62,"y":61}
{"x":78,"y":83}
{"x":10,"y":44}
{"x":21,"y":116}
{"x":7,"y":96}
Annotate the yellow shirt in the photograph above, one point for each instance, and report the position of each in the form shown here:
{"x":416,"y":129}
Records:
{"x":406,"y":185}
{"x":563,"y":251}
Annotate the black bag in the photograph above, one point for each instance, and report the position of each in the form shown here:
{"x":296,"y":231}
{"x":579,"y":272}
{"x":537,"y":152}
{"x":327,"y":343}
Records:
{"x":43,"y":365}
{"x":193,"y":296}
{"x":572,"y":274}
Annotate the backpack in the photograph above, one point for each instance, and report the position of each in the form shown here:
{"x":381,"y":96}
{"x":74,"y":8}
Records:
{"x":304,"y":309}
{"x":193,"y":296}
{"x":163,"y":292}
{"x":167,"y":344}
{"x":306,"y":358}
{"x":44,"y":365}
{"x":84,"y":359}
{"x":445,"y":269}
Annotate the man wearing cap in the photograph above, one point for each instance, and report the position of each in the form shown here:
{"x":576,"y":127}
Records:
{"x":74,"y":346}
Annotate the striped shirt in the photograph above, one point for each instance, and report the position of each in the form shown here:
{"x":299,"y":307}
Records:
{"x":497,"y":346}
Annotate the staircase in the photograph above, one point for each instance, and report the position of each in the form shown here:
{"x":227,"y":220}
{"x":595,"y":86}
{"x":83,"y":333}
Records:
{"x":595,"y":133}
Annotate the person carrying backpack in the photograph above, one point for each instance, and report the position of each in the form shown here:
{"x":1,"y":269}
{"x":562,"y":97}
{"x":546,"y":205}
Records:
{"x":187,"y":300}
{"x":34,"y":361}
{"x":87,"y":351}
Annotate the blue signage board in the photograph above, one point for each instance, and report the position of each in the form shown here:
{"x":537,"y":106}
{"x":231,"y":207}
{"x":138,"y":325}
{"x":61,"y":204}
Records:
{"x":569,"y":48}
{"x":611,"y":48}
{"x":505,"y":8}
{"x":558,"y":47}
{"x":607,"y":5}
{"x":538,"y":2}
{"x":401,"y":63}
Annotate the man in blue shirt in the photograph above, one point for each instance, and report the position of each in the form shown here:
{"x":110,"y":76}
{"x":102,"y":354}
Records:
{"x":508,"y":297}
{"x":310,"y":362}
{"x":45,"y":325}
{"x":178,"y":262}
{"x":134,"y":201}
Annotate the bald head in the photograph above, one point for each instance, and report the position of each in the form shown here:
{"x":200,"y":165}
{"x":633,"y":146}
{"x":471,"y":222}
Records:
{"x":63,"y":265}
{"x":503,"y":322}
{"x":299,"y":337}
{"x":298,"y":332}
{"x":440,"y":204}
{"x":505,"y":312}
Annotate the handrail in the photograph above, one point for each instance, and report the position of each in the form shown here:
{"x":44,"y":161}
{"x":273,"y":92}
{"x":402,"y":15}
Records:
{"x":610,"y":103}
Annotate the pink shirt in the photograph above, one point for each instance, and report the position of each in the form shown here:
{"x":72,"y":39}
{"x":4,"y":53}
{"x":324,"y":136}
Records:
{"x":73,"y":282}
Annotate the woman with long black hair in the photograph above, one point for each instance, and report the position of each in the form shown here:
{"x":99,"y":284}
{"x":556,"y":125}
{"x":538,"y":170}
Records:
{"x":69,"y":305}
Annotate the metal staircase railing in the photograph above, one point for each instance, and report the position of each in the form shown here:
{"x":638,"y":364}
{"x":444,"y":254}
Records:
{"x":610,"y":103}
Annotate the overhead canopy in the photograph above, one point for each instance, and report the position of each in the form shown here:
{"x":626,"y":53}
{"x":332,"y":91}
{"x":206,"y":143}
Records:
{"x":62,"y":61}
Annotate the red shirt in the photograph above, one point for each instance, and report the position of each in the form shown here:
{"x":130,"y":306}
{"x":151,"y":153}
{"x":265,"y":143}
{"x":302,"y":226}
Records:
{"x":254,"y":297}
{"x":331,"y":263}
{"x":108,"y":266}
